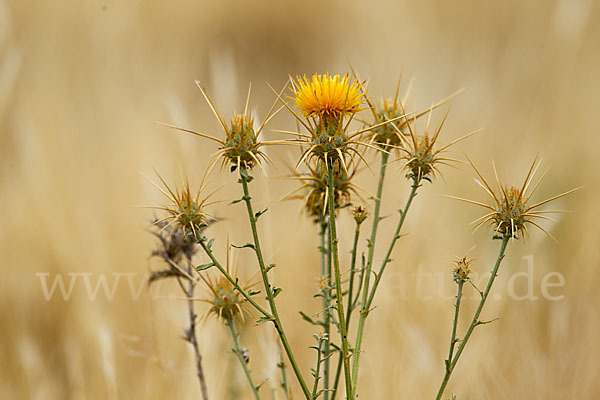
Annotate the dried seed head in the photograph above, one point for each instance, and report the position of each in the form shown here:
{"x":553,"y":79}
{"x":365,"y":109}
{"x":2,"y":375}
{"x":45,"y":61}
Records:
{"x":461,"y":269}
{"x":174,"y":244}
{"x":360,"y":214}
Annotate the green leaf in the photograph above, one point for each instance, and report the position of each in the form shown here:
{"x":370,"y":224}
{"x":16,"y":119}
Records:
{"x":204,"y":266}
{"x":250,"y":245}
{"x":259,"y":213}
{"x":253,"y":292}
{"x":307,"y":318}
{"x":276,"y":291}
{"x":269,"y":267}
{"x":236,"y":201}
{"x":263,"y":319}
{"x":210,"y":243}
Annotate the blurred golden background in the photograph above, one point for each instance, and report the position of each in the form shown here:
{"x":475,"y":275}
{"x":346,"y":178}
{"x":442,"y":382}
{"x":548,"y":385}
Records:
{"x":81,"y":84}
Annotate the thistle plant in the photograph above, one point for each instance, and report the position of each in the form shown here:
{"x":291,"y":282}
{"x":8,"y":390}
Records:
{"x":510,"y":214}
{"x":327,"y":109}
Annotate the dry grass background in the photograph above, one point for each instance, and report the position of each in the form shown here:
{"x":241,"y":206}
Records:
{"x":81,"y":83}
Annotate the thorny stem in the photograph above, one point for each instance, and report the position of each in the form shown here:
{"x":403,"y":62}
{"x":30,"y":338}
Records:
{"x":453,"y":338}
{"x":245,"y":179}
{"x":317,"y":371}
{"x":369,"y":295}
{"x":475,"y":321}
{"x":283,"y":383}
{"x":191,"y":335}
{"x":239,"y":353}
{"x":352,"y":272}
{"x":333,"y":245}
{"x":231,"y":279}
{"x":387,"y":259}
{"x":351,"y":303}
{"x":325,"y":274}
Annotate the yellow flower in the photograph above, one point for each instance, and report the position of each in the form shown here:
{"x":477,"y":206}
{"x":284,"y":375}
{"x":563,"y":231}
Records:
{"x":327,"y":96}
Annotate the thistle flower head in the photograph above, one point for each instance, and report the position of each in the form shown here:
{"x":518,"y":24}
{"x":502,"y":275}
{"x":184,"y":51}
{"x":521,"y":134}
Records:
{"x":225,"y":301}
{"x":360,"y":214}
{"x":328,"y":97}
{"x":314,"y":189}
{"x":327,"y":106}
{"x":186,"y":209}
{"x":315,"y":200}
{"x":388,"y":135}
{"x":422,"y":155}
{"x":242,"y":145}
{"x":461,"y":269}
{"x":392,"y":134}
{"x":510,"y":212}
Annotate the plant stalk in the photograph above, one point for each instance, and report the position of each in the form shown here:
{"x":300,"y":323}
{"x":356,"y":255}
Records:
{"x":325,"y":274}
{"x":333,"y":245}
{"x":191,"y":335}
{"x":351,"y":303}
{"x":369,"y":295}
{"x":238,"y":352}
{"x":244,"y":179}
{"x":475,"y":321}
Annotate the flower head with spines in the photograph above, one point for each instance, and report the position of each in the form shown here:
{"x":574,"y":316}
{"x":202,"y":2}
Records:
{"x":510,"y":212}
{"x":242,"y":145}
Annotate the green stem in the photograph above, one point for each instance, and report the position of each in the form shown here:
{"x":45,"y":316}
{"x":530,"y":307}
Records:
{"x":317,"y":370}
{"x":326,"y":274}
{"x":367,"y":273}
{"x":231,"y":279}
{"x":245,"y":179}
{"x":283,"y":383}
{"x":352,"y":272}
{"x":351,"y":303}
{"x":238,"y":352}
{"x":475,"y":321}
{"x":453,"y":338}
{"x":387,"y":259}
{"x":333,"y":245}
{"x":368,"y":296}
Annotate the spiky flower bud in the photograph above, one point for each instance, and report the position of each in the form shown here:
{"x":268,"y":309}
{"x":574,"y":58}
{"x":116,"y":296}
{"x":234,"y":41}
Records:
{"x":360,"y":214}
{"x":461,"y":270}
